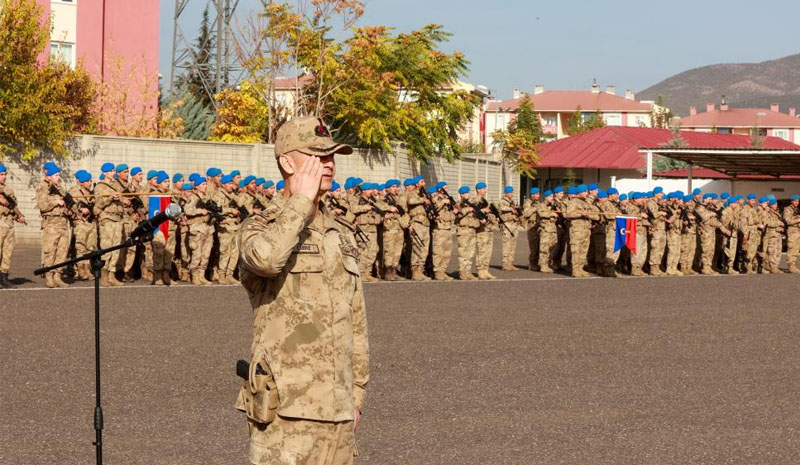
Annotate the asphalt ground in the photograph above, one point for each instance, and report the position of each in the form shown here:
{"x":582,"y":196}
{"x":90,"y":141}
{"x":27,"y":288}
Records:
{"x":528,"y":369}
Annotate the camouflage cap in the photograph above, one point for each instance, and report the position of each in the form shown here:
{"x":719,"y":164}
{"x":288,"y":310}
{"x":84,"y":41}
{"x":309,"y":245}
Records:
{"x":308,"y":135}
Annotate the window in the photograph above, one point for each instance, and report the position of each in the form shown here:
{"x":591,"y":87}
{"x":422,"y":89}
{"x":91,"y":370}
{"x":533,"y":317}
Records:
{"x":641,"y":120}
{"x":549,"y":121}
{"x":782,"y":133}
{"x":724,"y":131}
{"x":64,"y":52}
{"x":612,"y":119}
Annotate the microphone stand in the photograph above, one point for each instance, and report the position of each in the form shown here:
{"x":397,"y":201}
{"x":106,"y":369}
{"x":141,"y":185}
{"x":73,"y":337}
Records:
{"x":96,"y":262}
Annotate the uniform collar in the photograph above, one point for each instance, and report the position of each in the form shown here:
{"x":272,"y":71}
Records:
{"x":323,"y":222}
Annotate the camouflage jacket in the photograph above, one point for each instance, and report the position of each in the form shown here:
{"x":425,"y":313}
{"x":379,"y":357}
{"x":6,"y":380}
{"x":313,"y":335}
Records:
{"x":301,"y":274}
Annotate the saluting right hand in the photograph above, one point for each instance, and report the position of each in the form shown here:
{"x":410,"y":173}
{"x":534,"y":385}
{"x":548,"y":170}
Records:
{"x":306,"y":179}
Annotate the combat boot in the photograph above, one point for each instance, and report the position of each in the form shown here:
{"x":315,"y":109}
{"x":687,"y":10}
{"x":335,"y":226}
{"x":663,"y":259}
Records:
{"x":198,"y":279}
{"x":166,"y":278}
{"x":4,"y":283}
{"x":366,"y":277}
{"x":580,"y":274}
{"x":57,"y":279}
{"x":485,"y":275}
{"x":638,"y":272}
{"x":546,"y":269}
{"x":609,"y":272}
{"x":113,"y":281}
{"x":389,"y":275}
{"x":776,"y":270}
{"x":417,"y":274}
{"x":157,"y":280}
{"x":793,"y":269}
{"x":442,"y":276}
{"x":533,"y":267}
{"x":656,"y":271}
{"x":508,"y":267}
{"x":466,"y":275}
{"x":707,"y":270}
{"x":49,"y":281}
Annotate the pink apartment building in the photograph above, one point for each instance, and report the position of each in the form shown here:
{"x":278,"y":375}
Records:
{"x":726,"y":120}
{"x":556,"y":107}
{"x":113,"y":39}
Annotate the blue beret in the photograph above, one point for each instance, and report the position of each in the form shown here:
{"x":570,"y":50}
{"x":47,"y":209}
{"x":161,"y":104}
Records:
{"x":150,"y":174}
{"x":260,"y":181}
{"x":508,"y":189}
{"x":592,"y":187}
{"x":102,"y":176}
{"x":241,"y":184}
{"x":122,"y":167}
{"x":571,"y":190}
{"x":679,"y":193}
{"x":688,"y":198}
{"x":463,"y":190}
{"x":548,"y":193}
{"x":697,"y":191}
{"x":612,"y":191}
{"x":161,"y":177}
{"x":581,"y":189}
{"x":432,"y":190}
{"x":268,"y":183}
{"x":381,"y":187}
{"x":248,"y":179}
{"x":558,"y":189}
{"x":227,"y":179}
{"x":193,"y":176}
{"x":623,"y":197}
{"x":83,"y":176}
{"x":136,"y":170}
{"x":707,"y":195}
{"x":795,"y":197}
{"x":335,"y":186}
{"x":52,"y":169}
{"x":712,"y":196}
{"x":770,"y":196}
{"x":751,"y":196}
{"x":480,"y":185}
{"x":763,"y":199}
{"x":773,"y":201}
{"x":658,"y":190}
{"x":211,"y":172}
{"x":408,"y":182}
{"x":601,"y":194}
{"x":535,"y":190}
{"x":440,"y":184}
{"x":670,"y":196}
{"x":199,"y":181}
{"x":365,"y":186}
{"x":187,"y":186}
{"x":727,"y":203}
{"x":177,"y":177}
{"x":359,"y":181}
{"x":49,"y":164}
{"x":724,"y":195}
{"x":235,"y":173}
{"x":348,"y":183}
{"x":280,"y":184}
{"x":3,"y":168}
{"x":637,"y":195}
{"x":107,"y":167}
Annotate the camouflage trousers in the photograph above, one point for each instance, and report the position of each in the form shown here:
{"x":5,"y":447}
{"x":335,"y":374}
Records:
{"x":367,"y":249}
{"x":792,"y":245}
{"x":158,"y":257}
{"x":419,"y":248}
{"x":7,"y":241}
{"x":533,"y":248}
{"x":562,"y":247}
{"x":688,"y":250}
{"x":730,"y":246}
{"x":392,"y":247}
{"x":184,"y":254}
{"x":55,"y":240}
{"x":708,"y":239}
{"x":290,"y":441}
{"x":110,"y":235}
{"x":753,"y":240}
{"x":638,"y":259}
{"x":484,"y":243}
{"x":579,"y":237}
{"x":673,"y":250}
{"x":85,"y":237}
{"x":658,"y":241}
{"x":228,"y":249}
{"x":600,"y":252}
{"x":466,"y":247}
{"x":611,"y":238}
{"x":510,"y":231}
{"x":442,"y":249}
{"x":201,"y":239}
{"x":774,"y":249}
{"x":127,"y":257}
{"x":548,"y":240}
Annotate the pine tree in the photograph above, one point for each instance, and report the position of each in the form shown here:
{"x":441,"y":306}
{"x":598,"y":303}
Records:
{"x":200,"y":77}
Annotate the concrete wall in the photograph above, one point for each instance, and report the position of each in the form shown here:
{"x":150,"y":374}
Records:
{"x":179,"y":156}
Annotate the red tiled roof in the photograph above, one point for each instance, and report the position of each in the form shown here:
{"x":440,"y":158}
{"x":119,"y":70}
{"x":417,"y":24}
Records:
{"x":569,"y":100}
{"x":705,"y":173}
{"x":291,"y":82}
{"x":615,"y":147}
{"x":741,"y":117}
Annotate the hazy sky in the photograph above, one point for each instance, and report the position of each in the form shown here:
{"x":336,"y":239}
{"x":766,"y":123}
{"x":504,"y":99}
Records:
{"x":564,"y":44}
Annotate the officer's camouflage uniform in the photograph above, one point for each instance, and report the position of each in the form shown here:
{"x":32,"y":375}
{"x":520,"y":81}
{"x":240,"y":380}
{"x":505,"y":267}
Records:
{"x":792,"y":218}
{"x":531,"y":223}
{"x":84,"y":228}
{"x":309,"y":365}
{"x":509,"y":214}
{"x":657,"y":235}
{"x":442,"y":237}
{"x":227,"y":230}
{"x":467,"y":233}
{"x":421,"y":224}
{"x":55,"y":232}
{"x":201,"y":239}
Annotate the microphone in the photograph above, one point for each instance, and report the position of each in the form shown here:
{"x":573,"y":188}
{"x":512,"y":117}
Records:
{"x":172,"y":212}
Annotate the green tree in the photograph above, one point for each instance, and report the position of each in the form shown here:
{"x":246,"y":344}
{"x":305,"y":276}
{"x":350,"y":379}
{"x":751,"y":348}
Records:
{"x":660,"y":116}
{"x":197,"y":118}
{"x":518,"y":142}
{"x":577,"y":124}
{"x":200,"y":78}
{"x":41,"y":105}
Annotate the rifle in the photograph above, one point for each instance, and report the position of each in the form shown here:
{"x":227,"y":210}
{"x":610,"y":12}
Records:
{"x":243,"y":213}
{"x":452,"y":205}
{"x":430,"y":212}
{"x":12,"y":201}
{"x":359,"y":233}
{"x":258,"y":205}
{"x":496,"y":213}
{"x":69,"y":202}
{"x":214,"y":210}
{"x":393,"y":202}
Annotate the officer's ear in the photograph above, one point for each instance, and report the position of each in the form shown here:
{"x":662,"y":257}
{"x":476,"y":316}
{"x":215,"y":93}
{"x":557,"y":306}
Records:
{"x":286,"y":164}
